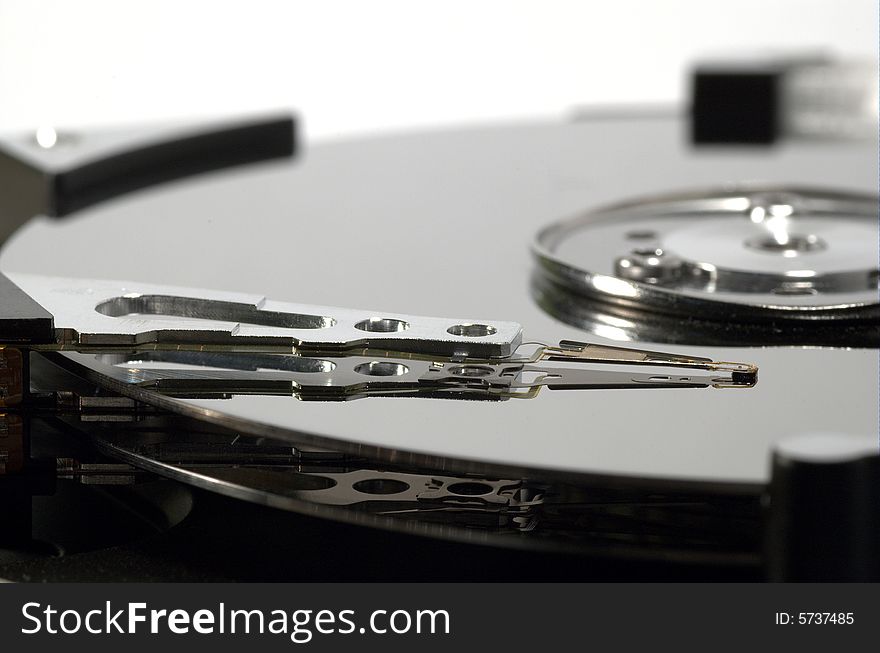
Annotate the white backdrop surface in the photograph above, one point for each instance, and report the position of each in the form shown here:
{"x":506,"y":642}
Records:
{"x":354,"y":67}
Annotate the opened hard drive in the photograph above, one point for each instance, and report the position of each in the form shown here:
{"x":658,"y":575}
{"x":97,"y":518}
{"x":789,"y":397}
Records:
{"x":619,"y":346}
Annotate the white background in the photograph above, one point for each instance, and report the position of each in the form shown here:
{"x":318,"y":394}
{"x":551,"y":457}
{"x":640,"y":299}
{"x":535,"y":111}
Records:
{"x":352,"y":67}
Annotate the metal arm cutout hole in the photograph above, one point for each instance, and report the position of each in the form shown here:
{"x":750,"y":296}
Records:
{"x":209,"y":309}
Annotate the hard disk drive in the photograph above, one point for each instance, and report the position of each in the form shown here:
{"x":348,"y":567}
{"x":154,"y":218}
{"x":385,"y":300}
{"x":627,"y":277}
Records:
{"x":584,"y":349}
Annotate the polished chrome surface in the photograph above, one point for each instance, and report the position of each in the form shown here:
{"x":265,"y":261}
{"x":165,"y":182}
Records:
{"x":199,"y":343}
{"x":97,"y":314}
{"x":454,"y":212}
{"x":510,"y":511}
{"x":759,"y":252}
{"x":210,"y":375}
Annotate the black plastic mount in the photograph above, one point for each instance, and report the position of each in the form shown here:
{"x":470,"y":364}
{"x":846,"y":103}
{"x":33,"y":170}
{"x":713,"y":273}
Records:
{"x":735,"y":106}
{"x":22,"y":320}
{"x":83,"y":170}
{"x":824,"y":512}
